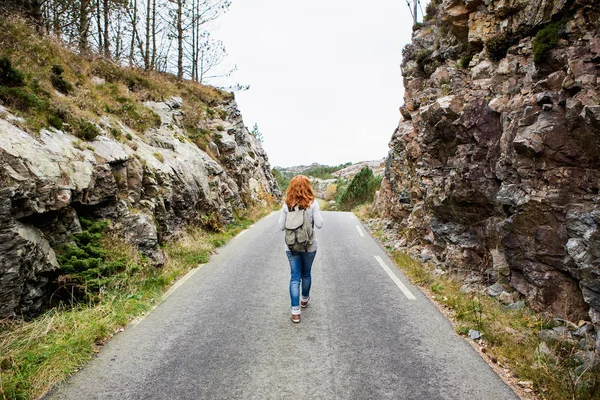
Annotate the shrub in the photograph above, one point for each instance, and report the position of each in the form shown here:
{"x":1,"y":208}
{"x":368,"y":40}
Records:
{"x":159,"y":157}
{"x":417,"y":26}
{"x":497,"y":46}
{"x":546,"y":39}
{"x":58,"y":81}
{"x":10,"y":76}
{"x":423,"y":57}
{"x":19,"y":98}
{"x":430,"y":10}
{"x":55,"y":121}
{"x":361,"y":190}
{"x":84,"y":264}
{"x":220,"y":128}
{"x":465,"y":61}
{"x":85,"y":130}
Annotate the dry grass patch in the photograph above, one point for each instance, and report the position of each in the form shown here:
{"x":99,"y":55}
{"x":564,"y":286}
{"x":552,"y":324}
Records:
{"x":36,"y":355}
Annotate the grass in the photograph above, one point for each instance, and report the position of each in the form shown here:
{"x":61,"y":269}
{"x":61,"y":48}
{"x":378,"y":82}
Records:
{"x":510,"y":337}
{"x":35,"y":355}
{"x":39,"y":75}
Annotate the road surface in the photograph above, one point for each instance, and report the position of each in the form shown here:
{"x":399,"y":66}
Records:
{"x":226,"y":332}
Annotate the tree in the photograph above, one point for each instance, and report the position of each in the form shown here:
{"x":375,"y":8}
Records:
{"x":256,"y":133}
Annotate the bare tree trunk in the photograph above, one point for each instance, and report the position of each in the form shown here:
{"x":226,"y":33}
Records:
{"x":133,"y":32}
{"x":180,"y":39}
{"x":153,"y":59}
{"x":83,"y":29}
{"x":193,"y":72}
{"x":147,"y":52}
{"x":118,"y":44}
{"x":99,"y":22}
{"x":106,"y":25}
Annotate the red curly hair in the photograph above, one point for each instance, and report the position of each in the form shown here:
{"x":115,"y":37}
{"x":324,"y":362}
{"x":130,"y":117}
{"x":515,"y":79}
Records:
{"x":299,"y":193}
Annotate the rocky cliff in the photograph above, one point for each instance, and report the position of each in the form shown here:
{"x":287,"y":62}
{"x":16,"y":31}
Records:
{"x":494,"y":170}
{"x":151,"y":185}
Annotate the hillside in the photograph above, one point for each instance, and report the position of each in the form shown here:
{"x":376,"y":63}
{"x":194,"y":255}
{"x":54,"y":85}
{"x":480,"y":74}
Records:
{"x":82,"y":138}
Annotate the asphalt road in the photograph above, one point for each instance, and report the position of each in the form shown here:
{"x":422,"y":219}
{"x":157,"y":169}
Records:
{"x":226,"y":332}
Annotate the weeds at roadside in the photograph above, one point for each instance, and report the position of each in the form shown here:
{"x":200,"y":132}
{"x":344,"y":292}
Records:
{"x":37,"y":354}
{"x":510,"y":338}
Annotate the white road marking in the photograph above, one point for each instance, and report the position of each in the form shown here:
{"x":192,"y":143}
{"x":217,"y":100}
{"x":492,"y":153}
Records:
{"x":351,"y":216}
{"x":241,"y":233}
{"x":397,"y":281}
{"x":360,"y":232}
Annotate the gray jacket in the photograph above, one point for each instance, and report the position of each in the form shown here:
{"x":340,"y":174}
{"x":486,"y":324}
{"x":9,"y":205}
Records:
{"x":314,"y":216}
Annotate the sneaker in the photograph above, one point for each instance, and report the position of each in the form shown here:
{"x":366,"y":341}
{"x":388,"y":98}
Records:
{"x":304,"y":303}
{"x":295,"y":318}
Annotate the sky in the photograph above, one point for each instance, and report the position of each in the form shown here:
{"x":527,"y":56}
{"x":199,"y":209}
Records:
{"x":324,"y":75}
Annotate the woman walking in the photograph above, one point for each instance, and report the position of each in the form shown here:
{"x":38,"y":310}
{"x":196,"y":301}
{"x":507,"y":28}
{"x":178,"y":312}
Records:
{"x":300,"y":196}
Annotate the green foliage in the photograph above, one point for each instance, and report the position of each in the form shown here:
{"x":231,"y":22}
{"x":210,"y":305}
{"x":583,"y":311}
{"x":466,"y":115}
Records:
{"x":423,"y":58}
{"x":55,"y":121}
{"x":256,"y":133}
{"x":465,"y":61}
{"x":417,"y":26}
{"x":324,"y":171}
{"x":430,"y":10}
{"x":85,"y":263}
{"x":497,"y":46}
{"x":546,"y":39}
{"x":220,"y":128}
{"x":85,"y":130}
{"x":361,"y":190}
{"x":58,"y":81}
{"x":20,"y":98}
{"x":282,"y":178}
{"x":10,"y":76}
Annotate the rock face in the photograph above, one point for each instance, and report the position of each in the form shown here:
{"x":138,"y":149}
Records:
{"x":150,"y":185}
{"x":495,"y":167}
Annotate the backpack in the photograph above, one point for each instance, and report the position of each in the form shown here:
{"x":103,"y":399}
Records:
{"x":298,"y":230}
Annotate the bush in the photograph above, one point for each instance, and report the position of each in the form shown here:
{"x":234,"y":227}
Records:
{"x":85,"y":130}
{"x":55,"y":121}
{"x":84,"y":265}
{"x":19,"y":98}
{"x":465,"y":61}
{"x":361,"y":190}
{"x":497,"y":46}
{"x":10,"y":76}
{"x":423,"y":57}
{"x":546,"y":39}
{"x":58,"y":81}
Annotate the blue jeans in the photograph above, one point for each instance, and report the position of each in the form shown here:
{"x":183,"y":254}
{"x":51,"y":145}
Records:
{"x":300,"y":266}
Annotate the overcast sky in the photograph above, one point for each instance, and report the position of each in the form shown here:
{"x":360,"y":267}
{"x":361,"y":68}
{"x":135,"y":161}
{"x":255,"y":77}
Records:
{"x":324,"y":75}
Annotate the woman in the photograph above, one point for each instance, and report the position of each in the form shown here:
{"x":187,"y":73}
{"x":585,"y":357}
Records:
{"x":300,"y":194}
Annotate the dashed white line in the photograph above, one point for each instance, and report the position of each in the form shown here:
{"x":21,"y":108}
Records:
{"x":396,"y":280}
{"x":360,"y":232}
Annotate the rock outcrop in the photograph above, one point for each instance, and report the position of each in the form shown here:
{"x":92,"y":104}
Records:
{"x":151,"y":186}
{"x":495,"y":168}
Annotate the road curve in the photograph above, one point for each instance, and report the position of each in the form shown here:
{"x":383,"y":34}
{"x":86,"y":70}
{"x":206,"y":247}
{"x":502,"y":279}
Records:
{"x":226,"y":332}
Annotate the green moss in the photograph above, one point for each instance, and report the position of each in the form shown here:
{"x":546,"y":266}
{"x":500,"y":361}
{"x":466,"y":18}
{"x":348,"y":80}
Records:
{"x":497,"y":46}
{"x":546,"y":39}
